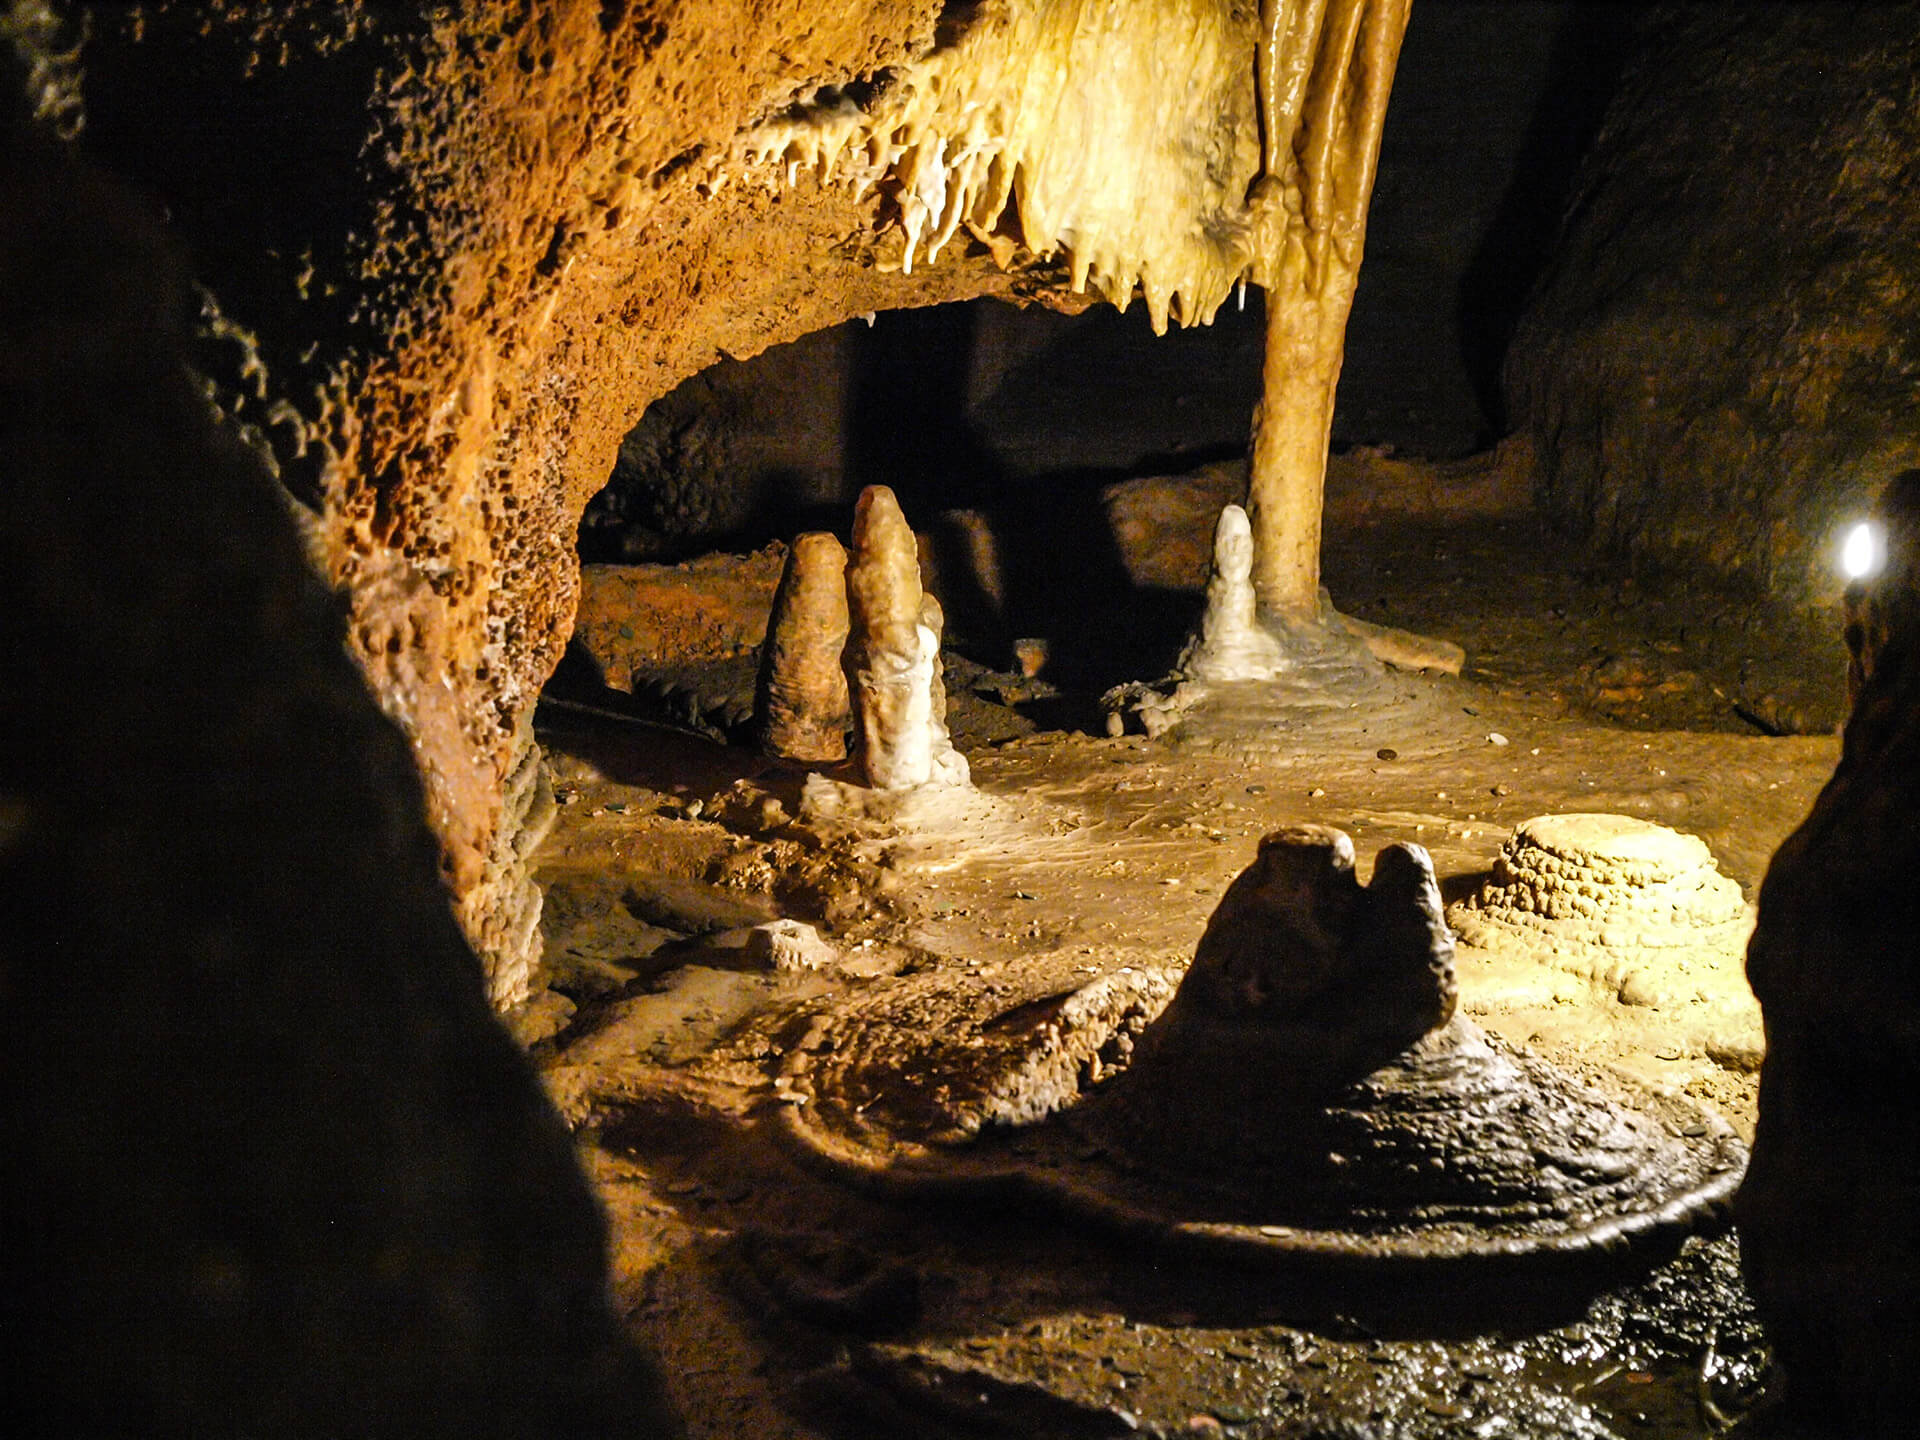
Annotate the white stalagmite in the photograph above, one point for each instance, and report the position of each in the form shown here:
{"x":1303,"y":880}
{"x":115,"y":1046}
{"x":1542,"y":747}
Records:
{"x":946,"y":765}
{"x":892,"y":658}
{"x":1232,"y":644}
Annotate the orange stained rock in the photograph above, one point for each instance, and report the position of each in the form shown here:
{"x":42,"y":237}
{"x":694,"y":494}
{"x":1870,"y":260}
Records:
{"x":801,"y":709}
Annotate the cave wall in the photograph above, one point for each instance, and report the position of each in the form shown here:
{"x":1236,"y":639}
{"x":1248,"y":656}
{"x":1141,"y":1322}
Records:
{"x":272,"y":1165}
{"x":1723,"y":364}
{"x":951,"y":404}
{"x":450,"y":253}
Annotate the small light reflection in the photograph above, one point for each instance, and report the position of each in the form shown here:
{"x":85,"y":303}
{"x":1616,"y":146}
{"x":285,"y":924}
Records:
{"x":1863,"y":552}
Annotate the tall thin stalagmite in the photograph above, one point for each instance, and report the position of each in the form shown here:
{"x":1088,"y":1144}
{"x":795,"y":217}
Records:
{"x":1323,"y":74}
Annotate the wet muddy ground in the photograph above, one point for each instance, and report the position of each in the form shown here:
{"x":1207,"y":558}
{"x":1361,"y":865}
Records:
{"x":784,"y":1302}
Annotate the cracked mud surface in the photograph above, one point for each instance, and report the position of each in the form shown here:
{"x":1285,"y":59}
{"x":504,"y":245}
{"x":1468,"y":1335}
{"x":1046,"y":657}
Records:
{"x":787,"y":1304}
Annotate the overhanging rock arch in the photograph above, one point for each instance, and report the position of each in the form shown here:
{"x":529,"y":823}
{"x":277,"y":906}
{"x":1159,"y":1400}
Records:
{"x":500,"y":230}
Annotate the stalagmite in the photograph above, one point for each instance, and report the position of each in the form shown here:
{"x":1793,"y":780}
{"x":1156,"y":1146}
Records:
{"x":1130,"y":141}
{"x":949,"y":765}
{"x":1324,"y":72}
{"x":1309,"y":1101}
{"x":801,"y":709}
{"x":891,"y":655}
{"x":1231,"y":644}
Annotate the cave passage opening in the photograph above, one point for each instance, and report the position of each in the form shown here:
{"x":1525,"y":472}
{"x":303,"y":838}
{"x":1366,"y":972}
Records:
{"x":1065,"y":472}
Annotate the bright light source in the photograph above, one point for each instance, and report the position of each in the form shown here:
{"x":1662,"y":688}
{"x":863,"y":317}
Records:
{"x":1863,"y":553}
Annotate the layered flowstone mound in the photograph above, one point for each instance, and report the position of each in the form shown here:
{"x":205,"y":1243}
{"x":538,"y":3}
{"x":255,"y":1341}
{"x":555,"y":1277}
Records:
{"x":1578,"y":884}
{"x":1306,"y":1102}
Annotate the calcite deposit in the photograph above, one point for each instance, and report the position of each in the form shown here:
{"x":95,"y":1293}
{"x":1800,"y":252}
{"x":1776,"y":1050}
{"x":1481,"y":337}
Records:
{"x":892,"y":655}
{"x":1232,"y":644}
{"x":1307,"y":1100}
{"x":801,"y":709}
{"x":498,"y":231}
{"x":1582,"y":883}
{"x":1303,"y":980}
{"x":1325,"y":70}
{"x":1120,"y":136}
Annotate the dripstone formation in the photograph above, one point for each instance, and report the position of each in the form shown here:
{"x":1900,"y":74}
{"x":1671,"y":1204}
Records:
{"x":1307,"y":1100}
{"x":1232,"y":644}
{"x":1302,"y":981}
{"x":893,"y":655}
{"x":1581,"y":884}
{"x":801,"y":709}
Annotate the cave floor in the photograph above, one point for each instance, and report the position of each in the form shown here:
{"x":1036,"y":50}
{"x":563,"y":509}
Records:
{"x":783,"y":1303}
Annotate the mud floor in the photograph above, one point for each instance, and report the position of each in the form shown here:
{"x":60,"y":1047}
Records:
{"x":785,"y":1303}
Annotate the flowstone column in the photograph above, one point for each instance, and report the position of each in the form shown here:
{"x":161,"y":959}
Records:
{"x":1323,"y":74}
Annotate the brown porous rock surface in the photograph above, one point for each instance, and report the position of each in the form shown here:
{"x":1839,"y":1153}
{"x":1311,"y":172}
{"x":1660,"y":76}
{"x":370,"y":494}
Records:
{"x":1719,"y":369}
{"x":495,"y":234}
{"x":272,"y":1166}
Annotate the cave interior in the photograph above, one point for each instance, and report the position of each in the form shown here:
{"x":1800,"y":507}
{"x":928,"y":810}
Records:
{"x":551,"y":329}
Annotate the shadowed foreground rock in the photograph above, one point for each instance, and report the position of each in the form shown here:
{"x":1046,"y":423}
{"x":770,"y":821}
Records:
{"x":271,"y":1167}
{"x":1831,"y":1206}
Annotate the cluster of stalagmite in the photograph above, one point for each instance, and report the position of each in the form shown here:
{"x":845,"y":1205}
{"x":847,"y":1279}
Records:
{"x":857,"y":637}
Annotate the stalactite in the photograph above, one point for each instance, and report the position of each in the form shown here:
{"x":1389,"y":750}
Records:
{"x":1119,"y":134}
{"x":1136,"y":142}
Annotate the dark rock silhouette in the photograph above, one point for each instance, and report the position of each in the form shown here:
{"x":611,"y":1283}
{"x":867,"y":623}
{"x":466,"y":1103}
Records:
{"x":272,"y":1168}
{"x":1831,"y":1205}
